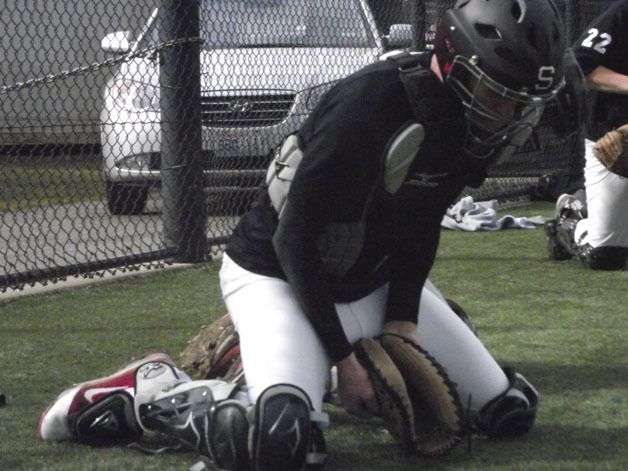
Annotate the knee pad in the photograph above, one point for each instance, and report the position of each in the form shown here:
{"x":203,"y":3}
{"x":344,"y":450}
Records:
{"x":109,"y":421}
{"x":283,"y":437}
{"x":511,"y":413}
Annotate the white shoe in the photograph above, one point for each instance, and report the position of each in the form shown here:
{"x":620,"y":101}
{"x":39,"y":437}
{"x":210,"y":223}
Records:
{"x":54,"y":423}
{"x":562,"y":204}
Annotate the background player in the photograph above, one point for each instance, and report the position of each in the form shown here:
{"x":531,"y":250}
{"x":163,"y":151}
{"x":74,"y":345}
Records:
{"x":593,"y":225}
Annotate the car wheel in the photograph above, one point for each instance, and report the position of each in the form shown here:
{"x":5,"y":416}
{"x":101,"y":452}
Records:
{"x":124,"y":199}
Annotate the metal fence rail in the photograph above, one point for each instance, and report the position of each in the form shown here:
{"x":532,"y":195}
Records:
{"x":134,"y":133}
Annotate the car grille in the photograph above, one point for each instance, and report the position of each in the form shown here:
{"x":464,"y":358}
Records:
{"x":245,"y":110}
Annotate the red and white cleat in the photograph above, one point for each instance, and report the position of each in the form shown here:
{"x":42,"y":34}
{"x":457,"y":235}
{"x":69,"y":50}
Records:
{"x":55,"y":421}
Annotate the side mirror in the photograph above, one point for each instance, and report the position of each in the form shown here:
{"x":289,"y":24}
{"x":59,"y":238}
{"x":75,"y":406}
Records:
{"x":399,"y":36}
{"x":117,"y":43}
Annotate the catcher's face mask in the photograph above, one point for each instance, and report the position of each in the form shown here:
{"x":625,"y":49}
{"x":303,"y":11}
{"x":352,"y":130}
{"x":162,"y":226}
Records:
{"x":494,"y":112}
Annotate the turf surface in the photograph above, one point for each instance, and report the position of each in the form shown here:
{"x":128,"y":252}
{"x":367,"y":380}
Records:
{"x":561,"y":325}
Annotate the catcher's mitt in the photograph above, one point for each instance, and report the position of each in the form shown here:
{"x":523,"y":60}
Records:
{"x":214,"y":353}
{"x":395,"y":405}
{"x":433,"y":423}
{"x":612,"y":150}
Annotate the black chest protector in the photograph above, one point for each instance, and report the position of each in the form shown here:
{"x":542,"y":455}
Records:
{"x":430,"y":145}
{"x":427,"y":151}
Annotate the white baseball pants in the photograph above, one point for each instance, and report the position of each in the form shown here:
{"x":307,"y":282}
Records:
{"x":607,"y":205}
{"x":279,"y":345}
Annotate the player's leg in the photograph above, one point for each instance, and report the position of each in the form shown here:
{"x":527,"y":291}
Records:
{"x":500,"y":401}
{"x":277,"y":342}
{"x":438,"y":328}
{"x":602,"y":239}
{"x":285,"y":365}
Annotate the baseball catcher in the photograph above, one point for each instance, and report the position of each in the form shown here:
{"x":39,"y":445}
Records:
{"x":338,"y":246}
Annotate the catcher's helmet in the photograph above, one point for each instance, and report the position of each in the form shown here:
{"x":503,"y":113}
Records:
{"x":504,"y":58}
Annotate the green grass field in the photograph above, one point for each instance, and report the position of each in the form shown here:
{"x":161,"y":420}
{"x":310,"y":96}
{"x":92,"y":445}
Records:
{"x":35,"y":181}
{"x":561,"y":325}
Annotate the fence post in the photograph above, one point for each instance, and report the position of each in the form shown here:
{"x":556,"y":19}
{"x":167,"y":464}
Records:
{"x":184,"y":207}
{"x":418,"y":18}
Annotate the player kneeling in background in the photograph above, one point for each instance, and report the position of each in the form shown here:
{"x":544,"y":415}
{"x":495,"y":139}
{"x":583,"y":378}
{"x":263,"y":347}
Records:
{"x":592,"y":225}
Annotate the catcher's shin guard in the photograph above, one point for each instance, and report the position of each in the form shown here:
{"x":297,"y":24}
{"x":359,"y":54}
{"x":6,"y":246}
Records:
{"x":555,"y":249}
{"x":560,"y":231}
{"x":571,"y":206}
{"x":512,"y":412}
{"x":203,"y":416}
{"x":99,"y":411}
{"x":109,"y":421}
{"x":565,"y":234}
{"x":286,"y":433}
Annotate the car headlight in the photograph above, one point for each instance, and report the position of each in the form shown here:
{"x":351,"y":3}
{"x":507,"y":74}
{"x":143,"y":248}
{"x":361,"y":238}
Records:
{"x":135,"y":96}
{"x":315,"y":94}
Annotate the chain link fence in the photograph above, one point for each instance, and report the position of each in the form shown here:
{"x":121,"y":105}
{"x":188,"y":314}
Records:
{"x":133,"y":134}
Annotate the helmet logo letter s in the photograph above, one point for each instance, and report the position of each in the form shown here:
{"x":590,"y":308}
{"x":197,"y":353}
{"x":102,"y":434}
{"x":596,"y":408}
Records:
{"x":545,"y":77}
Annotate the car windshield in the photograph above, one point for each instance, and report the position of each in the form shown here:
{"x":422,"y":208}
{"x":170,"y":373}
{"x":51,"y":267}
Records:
{"x":279,"y":23}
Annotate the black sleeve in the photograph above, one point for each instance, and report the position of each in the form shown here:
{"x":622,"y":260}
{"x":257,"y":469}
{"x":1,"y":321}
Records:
{"x":417,"y":243}
{"x":604,"y":40}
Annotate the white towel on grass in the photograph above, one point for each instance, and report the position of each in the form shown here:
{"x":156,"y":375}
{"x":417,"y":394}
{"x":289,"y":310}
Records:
{"x":467,"y":215}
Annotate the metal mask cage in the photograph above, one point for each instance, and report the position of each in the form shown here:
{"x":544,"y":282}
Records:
{"x":494,"y":112}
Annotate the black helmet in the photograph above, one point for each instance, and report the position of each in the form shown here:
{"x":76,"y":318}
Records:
{"x":504,"y":59}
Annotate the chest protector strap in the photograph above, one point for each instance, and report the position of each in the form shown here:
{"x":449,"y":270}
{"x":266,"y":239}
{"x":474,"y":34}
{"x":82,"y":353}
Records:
{"x":281,"y":171}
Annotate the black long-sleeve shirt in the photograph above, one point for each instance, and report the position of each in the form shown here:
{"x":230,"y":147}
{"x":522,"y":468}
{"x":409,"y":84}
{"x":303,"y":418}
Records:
{"x":339,"y":184}
{"x":605,"y":43}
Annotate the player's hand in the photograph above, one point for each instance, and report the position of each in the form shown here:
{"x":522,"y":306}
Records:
{"x":405,"y":329}
{"x":355,"y":389}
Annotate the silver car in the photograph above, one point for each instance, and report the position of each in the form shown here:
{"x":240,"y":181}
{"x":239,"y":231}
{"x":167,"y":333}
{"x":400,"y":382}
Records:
{"x":264,"y":66}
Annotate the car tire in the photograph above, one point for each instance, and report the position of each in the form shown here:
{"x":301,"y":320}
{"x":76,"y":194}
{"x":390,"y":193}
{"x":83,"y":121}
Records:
{"x":126,"y":200}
